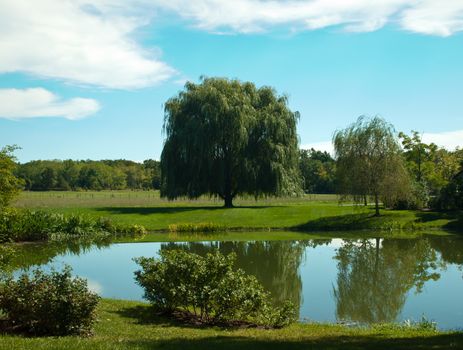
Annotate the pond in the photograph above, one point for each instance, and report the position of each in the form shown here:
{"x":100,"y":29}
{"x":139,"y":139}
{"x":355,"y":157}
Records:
{"x":333,"y":280}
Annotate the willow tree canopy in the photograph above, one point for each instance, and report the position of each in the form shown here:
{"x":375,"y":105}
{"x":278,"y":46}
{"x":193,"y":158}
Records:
{"x":227,"y":137}
{"x":369,"y":162}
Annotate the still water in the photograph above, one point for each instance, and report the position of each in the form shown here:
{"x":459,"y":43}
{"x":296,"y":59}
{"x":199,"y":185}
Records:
{"x":361,"y":281}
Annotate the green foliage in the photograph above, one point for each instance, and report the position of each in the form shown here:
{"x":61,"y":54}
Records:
{"x":434,"y":170}
{"x":46,"y":175}
{"x":369,"y":163}
{"x":209,"y":287}
{"x":451,"y":196}
{"x":318,"y":170}
{"x":224,"y":138}
{"x":423,"y":324}
{"x":202,"y":227}
{"x":48,"y":304}
{"x":19,"y":225}
{"x":6,"y":255}
{"x":10,"y":185}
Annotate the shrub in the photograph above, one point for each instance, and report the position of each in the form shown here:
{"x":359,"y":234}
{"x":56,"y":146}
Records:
{"x":202,"y":227}
{"x":19,"y":225}
{"x":208,"y":287}
{"x":6,"y":254}
{"x":48,"y":304}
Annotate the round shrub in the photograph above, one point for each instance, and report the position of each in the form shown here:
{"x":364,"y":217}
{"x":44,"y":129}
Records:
{"x":209,"y":288}
{"x":48,"y":304}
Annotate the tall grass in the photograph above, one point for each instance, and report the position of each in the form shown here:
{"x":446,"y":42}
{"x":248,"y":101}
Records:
{"x":201,"y":227}
{"x":21,"y":225}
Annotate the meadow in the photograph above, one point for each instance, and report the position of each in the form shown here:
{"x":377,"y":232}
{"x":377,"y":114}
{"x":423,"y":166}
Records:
{"x":314,"y":213}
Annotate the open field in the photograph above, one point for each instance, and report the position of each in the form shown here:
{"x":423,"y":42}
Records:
{"x":314,"y":213}
{"x":133,"y":325}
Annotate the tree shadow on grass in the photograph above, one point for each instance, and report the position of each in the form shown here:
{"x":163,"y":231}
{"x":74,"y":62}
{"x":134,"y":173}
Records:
{"x":437,"y":342}
{"x":455,"y":219}
{"x":368,"y":221}
{"x":361,"y":221}
{"x":170,"y":210}
{"x":148,"y":315}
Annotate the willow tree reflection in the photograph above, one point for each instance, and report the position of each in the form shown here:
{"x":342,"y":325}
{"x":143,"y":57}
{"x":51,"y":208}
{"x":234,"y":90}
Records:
{"x":374,"y":277}
{"x":274,"y":263}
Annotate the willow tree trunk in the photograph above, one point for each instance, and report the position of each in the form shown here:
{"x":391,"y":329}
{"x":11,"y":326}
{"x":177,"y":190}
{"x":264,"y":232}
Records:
{"x":228,"y":201}
{"x":228,"y":195}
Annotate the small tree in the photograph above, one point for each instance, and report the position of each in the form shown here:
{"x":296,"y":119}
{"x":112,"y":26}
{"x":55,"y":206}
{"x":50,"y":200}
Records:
{"x":10,"y":185}
{"x":369,"y":162}
{"x":227,"y":137}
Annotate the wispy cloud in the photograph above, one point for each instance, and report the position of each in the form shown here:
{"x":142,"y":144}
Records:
{"x":449,"y":140}
{"x":93,"y":43}
{"x":326,"y":146}
{"x":435,"y":17}
{"x":78,"y":42}
{"x":38,"y":102}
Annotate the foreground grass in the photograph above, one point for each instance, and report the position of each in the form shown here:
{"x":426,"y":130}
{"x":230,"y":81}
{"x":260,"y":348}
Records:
{"x":315,"y":213}
{"x":132,"y":325}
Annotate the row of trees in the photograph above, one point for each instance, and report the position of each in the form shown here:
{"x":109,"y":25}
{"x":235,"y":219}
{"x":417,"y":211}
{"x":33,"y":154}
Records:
{"x":371,"y":163}
{"x":45,"y":175}
{"x":226,"y":137}
{"x":317,"y":169}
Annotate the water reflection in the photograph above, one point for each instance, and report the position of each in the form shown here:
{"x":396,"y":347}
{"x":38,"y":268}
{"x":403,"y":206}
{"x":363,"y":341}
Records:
{"x":275,"y":264}
{"x":364,"y":280}
{"x":374,"y":277}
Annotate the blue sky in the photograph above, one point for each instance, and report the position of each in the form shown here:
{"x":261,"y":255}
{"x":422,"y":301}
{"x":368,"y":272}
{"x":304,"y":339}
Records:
{"x":88,"y":80}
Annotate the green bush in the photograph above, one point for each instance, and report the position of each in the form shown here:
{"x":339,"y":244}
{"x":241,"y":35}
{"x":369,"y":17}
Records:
{"x":202,"y":227}
{"x":19,"y":225}
{"x":209,"y":288}
{"x":48,"y":304}
{"x":6,"y":254}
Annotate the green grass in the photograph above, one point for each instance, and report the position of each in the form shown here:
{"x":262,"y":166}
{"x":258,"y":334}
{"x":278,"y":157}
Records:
{"x":310,"y":213}
{"x":132,"y":325}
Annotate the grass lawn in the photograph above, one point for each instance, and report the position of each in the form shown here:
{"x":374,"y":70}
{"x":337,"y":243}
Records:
{"x":132,"y":325}
{"x":309,"y":213}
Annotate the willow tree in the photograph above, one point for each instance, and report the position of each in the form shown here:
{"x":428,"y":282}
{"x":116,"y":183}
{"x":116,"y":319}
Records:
{"x":369,"y":162}
{"x":227,"y":137}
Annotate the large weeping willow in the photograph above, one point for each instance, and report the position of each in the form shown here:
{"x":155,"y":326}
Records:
{"x":227,"y":137}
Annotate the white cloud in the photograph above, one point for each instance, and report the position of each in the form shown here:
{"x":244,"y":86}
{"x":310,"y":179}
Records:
{"x":78,"y":42}
{"x":94,"y":286}
{"x":436,"y":17}
{"x":93,"y":42}
{"x":449,"y":140}
{"x":38,"y":102}
{"x":326,"y":146}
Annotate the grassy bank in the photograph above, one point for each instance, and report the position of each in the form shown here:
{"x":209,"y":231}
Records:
{"x":132,"y":325}
{"x":315,"y":213}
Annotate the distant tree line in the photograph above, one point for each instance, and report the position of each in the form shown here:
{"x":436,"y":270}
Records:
{"x":72,"y":175}
{"x":317,"y":170}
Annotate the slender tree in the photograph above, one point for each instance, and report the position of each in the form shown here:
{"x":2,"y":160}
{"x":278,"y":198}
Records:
{"x":369,"y":162}
{"x":10,"y":185}
{"x":227,"y":137}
